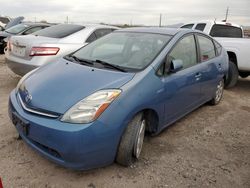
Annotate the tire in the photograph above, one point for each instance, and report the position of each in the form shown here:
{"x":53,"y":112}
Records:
{"x":244,"y":74}
{"x":218,"y":93}
{"x":233,"y":75}
{"x":132,"y":138}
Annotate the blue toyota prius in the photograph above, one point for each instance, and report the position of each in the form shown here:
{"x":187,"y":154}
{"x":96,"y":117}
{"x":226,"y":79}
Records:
{"x":93,"y":107}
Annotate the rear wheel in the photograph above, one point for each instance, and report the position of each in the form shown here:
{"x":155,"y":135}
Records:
{"x":131,"y":142}
{"x":218,"y":93}
{"x":233,"y":75}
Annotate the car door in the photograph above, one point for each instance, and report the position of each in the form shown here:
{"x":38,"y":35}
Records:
{"x":211,"y":69}
{"x":182,"y":89}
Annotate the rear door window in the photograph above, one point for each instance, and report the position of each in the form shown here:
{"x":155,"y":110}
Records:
{"x":59,"y":31}
{"x":226,"y":31}
{"x":200,"y":26}
{"x":207,"y":50}
{"x":188,"y":26}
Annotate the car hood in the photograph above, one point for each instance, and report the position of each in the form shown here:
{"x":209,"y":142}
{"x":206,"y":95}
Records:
{"x":58,"y":86}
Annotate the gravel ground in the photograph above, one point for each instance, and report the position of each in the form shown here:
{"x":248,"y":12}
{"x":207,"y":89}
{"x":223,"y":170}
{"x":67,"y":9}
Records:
{"x":208,"y":148}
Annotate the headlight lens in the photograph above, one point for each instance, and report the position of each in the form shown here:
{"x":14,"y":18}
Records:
{"x":90,"y":108}
{"x":24,"y":78}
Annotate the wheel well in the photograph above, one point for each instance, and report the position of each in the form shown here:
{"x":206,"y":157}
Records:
{"x":152,"y":120}
{"x":232,"y":57}
{"x":224,"y":78}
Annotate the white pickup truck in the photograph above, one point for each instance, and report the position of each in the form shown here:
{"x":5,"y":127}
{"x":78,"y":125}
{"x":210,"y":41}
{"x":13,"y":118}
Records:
{"x":231,"y":37}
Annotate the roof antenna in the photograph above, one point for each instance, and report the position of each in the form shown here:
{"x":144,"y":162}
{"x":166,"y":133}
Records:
{"x":226,"y":15}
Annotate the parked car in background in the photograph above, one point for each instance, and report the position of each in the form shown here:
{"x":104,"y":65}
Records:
{"x":14,"y":22}
{"x":231,"y":37}
{"x":46,"y":46}
{"x":93,"y":106}
{"x":3,"y":21}
{"x":20,"y":29}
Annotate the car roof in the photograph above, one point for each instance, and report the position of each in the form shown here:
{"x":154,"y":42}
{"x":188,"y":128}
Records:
{"x":100,"y":26}
{"x":93,"y":26}
{"x":36,"y":24}
{"x":155,"y":30}
{"x":213,"y":22}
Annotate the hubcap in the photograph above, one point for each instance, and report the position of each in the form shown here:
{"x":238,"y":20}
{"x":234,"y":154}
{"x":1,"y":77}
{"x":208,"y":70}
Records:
{"x":219,"y":91}
{"x":140,"y":138}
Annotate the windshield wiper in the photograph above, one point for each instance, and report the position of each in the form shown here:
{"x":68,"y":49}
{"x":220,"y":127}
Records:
{"x":117,"y":67}
{"x":81,"y":61}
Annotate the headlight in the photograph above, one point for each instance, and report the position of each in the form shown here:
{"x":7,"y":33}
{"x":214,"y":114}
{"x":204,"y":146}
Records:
{"x":90,"y":108}
{"x":24,"y":78}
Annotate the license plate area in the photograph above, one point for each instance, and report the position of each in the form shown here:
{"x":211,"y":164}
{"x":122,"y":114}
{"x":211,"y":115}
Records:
{"x":20,"y":123}
{"x":18,"y":51}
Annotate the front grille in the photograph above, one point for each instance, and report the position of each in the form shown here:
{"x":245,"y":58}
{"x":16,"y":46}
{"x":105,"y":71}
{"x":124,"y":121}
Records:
{"x":33,"y":111}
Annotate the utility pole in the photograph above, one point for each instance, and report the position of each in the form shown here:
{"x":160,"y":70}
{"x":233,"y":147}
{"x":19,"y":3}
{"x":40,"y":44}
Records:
{"x":160,"y":21}
{"x":67,"y":19}
{"x":227,"y":13}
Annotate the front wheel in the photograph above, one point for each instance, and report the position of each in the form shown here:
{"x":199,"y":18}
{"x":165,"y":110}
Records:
{"x":131,"y":142}
{"x":218,"y":93}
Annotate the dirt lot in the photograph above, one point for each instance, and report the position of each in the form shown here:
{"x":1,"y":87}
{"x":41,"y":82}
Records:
{"x":208,"y":148}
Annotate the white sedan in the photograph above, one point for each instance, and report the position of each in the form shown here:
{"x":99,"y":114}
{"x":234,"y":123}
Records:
{"x":25,"y":53}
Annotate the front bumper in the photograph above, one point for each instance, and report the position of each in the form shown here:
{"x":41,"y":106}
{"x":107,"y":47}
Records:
{"x":74,"y":146}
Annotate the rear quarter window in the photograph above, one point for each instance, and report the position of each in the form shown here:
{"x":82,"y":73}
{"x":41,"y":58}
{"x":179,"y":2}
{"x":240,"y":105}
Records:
{"x":188,"y":26}
{"x":59,"y":31}
{"x":226,"y":31}
{"x":102,"y":32}
{"x":200,"y":26}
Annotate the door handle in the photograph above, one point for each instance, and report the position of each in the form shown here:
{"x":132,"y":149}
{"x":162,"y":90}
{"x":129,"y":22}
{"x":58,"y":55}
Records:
{"x":198,"y":76}
{"x":219,"y":67}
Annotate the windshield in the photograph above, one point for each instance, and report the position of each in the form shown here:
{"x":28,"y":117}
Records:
{"x":125,"y":49}
{"x":17,"y":29}
{"x":59,"y":31}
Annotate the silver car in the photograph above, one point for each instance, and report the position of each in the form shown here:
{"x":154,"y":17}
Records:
{"x":24,"y":53}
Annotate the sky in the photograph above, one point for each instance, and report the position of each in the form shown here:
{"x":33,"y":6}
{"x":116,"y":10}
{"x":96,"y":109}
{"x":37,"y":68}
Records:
{"x":136,"y":12}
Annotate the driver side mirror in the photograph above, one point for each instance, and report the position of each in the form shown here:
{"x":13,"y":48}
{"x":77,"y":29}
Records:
{"x":175,"y":65}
